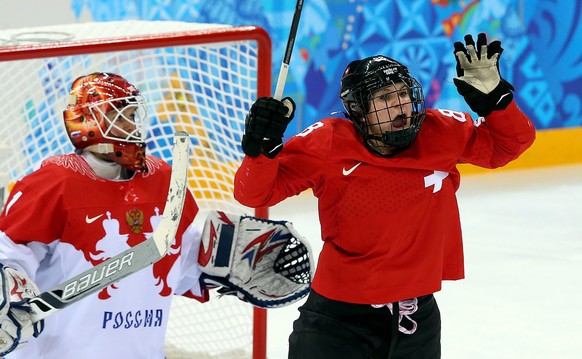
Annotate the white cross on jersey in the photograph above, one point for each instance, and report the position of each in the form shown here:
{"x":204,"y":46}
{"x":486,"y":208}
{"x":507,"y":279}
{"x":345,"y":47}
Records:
{"x":435,"y":179}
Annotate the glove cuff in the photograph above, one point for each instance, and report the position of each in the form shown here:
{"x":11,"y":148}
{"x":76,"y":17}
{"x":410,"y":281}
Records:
{"x":272,"y":147}
{"x":501,"y":96}
{"x":483,"y":104}
{"x":251,"y":146}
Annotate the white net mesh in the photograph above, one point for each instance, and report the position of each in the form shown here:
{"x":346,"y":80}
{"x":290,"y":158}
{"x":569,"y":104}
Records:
{"x":204,"y":89}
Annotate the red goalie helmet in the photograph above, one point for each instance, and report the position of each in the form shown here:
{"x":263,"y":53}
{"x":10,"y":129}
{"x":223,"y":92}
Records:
{"x":106,"y":114}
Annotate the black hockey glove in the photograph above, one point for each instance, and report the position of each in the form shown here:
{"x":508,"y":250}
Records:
{"x":265,"y":125}
{"x":478,"y":78}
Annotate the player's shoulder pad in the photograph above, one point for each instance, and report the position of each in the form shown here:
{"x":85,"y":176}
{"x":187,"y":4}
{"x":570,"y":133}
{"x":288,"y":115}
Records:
{"x":154,"y":163}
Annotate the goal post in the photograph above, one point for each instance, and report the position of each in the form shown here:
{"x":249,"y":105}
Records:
{"x":199,"y":78}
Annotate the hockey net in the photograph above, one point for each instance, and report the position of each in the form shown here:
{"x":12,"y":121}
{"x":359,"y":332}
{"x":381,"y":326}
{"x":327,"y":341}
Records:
{"x":200,"y":78}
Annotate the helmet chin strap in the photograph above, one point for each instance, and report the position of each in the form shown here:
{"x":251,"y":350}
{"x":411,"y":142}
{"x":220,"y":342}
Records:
{"x":103,"y":168}
{"x":388,"y":142}
{"x":102,"y":148}
{"x":116,"y":155}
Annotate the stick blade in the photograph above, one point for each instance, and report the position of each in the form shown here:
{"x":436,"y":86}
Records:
{"x":176,"y":194}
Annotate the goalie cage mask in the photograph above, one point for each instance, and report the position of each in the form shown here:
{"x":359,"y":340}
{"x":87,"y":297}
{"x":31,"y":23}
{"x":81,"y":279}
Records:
{"x":106,"y":114}
{"x":392,"y":127}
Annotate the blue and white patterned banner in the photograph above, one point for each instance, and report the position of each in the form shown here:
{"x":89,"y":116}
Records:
{"x":542,"y":57}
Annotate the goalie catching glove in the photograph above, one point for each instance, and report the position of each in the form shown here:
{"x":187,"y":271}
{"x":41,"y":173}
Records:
{"x":265,"y":263}
{"x":478,"y":78}
{"x":15,"y":322}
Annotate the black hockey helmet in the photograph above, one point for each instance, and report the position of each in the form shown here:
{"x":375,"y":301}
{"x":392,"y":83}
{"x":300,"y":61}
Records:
{"x":362,"y":82}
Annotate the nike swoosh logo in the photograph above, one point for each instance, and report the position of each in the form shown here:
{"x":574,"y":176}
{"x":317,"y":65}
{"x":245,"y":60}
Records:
{"x":275,"y":148}
{"x":91,"y":220}
{"x":501,"y":98}
{"x":348,"y":172}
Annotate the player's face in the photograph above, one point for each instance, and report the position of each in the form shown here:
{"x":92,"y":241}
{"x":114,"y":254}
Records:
{"x":123,"y":123}
{"x":390,"y":109}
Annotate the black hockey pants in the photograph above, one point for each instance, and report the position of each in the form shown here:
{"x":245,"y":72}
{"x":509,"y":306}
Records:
{"x":328,"y":329}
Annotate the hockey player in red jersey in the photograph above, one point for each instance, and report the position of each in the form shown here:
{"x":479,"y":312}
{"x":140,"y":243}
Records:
{"x":385,"y":182}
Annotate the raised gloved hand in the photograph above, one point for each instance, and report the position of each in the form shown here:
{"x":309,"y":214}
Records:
{"x":265,"y":125}
{"x":478,"y":78}
{"x":15,"y":322}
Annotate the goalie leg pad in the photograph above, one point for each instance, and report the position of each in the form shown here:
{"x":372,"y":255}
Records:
{"x":266,"y":263}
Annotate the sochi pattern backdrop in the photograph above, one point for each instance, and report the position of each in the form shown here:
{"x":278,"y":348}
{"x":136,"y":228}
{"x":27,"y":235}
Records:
{"x":542,"y":58}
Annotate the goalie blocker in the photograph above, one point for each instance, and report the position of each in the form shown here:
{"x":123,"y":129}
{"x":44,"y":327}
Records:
{"x":264,"y":262}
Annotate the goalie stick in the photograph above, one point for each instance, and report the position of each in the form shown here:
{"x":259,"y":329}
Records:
{"x":131,"y":260}
{"x":288,"y":51}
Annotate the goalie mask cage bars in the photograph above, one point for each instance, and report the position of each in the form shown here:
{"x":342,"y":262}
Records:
{"x":199,"y":78}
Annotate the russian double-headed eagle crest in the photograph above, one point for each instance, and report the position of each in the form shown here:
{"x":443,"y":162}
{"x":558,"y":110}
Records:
{"x":135,"y":220}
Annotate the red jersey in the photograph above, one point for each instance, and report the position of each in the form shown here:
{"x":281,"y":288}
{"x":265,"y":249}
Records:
{"x":390,"y":225}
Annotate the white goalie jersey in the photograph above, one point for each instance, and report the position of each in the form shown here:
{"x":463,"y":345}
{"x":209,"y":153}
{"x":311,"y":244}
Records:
{"x":265,"y":263}
{"x":62,"y":220}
